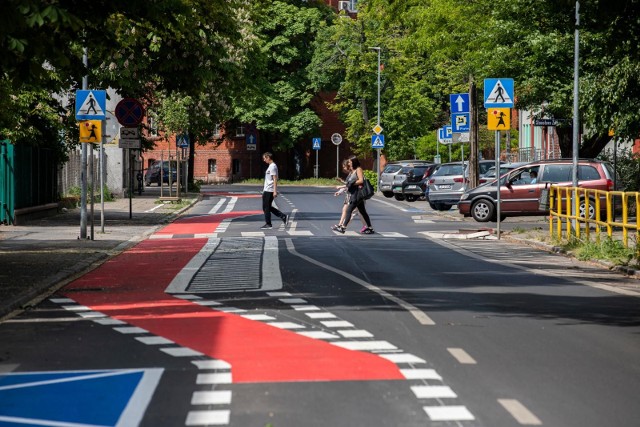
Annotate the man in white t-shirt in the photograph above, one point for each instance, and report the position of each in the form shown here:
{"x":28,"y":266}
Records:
{"x":270,"y":191}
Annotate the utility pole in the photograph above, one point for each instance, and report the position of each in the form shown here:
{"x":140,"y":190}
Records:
{"x":473,"y":135}
{"x":83,"y":161}
{"x":576,"y":118}
{"x":378,"y":49}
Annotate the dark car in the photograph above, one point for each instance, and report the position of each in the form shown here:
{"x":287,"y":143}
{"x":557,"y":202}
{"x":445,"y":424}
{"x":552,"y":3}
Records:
{"x":411,"y":182}
{"x":153,"y":172}
{"x":520,"y":189}
{"x":389,"y":172}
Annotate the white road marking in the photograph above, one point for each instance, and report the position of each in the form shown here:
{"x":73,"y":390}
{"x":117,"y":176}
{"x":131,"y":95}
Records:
{"x":520,"y":412}
{"x":462,"y":356}
{"x":109,"y":321}
{"x":403,"y":358}
{"x":252,"y":234}
{"x":130,"y":330}
{"x":231,"y":310}
{"x":279,"y":294}
{"x":211,"y":364}
{"x":448,"y":413}
{"x":208,"y":418}
{"x":215,"y":378}
{"x":365,"y":345}
{"x":319,"y":335}
{"x":286,"y":325}
{"x":188,"y":296}
{"x":217,"y":207}
{"x":258,"y":317}
{"x":421,"y":374}
{"x":433,"y":391}
{"x":420,"y":316}
{"x":391,"y":234}
{"x":181,"y":352}
{"x":293,"y":300}
{"x":305,"y":307}
{"x":76,"y":308}
{"x":62,"y":300}
{"x":154,"y":208}
{"x":91,"y":315}
{"x":219,"y":397}
{"x":355,"y":333}
{"x":154,"y":340}
{"x":321,"y":315}
{"x":208,"y":303}
{"x":337,"y":324}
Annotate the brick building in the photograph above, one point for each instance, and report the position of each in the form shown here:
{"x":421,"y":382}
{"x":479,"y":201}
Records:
{"x":228,"y":157}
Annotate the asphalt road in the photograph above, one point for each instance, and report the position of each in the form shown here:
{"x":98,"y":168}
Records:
{"x":212,"y":321}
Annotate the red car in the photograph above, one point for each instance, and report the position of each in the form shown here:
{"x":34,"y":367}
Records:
{"x":520,"y":188}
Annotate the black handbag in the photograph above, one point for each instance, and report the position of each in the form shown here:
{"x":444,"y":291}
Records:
{"x":366,"y":191}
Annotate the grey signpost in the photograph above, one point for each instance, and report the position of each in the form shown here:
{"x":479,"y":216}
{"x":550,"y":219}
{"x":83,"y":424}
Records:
{"x":336,"y":138}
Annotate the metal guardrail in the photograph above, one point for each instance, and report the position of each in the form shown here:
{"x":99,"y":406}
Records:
{"x":605,"y":205}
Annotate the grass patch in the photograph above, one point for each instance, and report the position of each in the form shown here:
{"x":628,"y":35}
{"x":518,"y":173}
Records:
{"x":607,"y":250}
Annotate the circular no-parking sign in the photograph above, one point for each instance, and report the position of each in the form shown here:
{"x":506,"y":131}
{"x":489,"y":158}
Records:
{"x":129,"y":112}
{"x":336,"y":138}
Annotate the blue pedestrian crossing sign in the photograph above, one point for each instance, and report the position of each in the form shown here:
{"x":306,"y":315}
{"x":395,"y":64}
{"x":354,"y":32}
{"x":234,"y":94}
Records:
{"x":91,"y":104}
{"x":498,"y":93}
{"x":377,"y":141}
{"x":316,"y":143}
{"x":182,"y":140}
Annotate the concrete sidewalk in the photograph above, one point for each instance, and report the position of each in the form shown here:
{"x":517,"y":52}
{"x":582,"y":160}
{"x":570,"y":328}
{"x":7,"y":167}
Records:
{"x":47,"y":252}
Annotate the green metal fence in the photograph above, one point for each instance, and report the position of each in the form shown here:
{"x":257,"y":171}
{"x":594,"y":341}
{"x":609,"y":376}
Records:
{"x":27,"y":178}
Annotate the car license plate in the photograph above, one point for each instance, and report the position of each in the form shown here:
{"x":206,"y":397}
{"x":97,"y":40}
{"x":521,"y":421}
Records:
{"x":445,"y":187}
{"x":397,"y":189}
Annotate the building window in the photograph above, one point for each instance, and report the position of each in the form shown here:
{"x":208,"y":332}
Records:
{"x":240,"y":131}
{"x":153,"y":128}
{"x":216,"y":131}
{"x":236,"y":166}
{"x":213,"y":166}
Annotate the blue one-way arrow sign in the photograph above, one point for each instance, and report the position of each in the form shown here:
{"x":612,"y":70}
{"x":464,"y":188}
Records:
{"x":459,"y":102}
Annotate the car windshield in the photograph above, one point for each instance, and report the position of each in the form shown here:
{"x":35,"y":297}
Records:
{"x":391,"y":168}
{"x":449,"y":170}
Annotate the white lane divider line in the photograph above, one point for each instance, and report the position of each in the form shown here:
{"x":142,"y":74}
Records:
{"x":365,"y":345}
{"x":403,"y":358}
{"x":181,"y":352}
{"x":154,"y":340}
{"x":321,"y":315}
{"x":319,"y":335}
{"x":520,"y":412}
{"x":154,"y":208}
{"x":448,"y":413}
{"x":279,"y":294}
{"x":461,"y":356}
{"x":259,"y":317}
{"x":419,"y":315}
{"x":305,"y":307}
{"x":216,"y":208}
{"x":293,"y":300}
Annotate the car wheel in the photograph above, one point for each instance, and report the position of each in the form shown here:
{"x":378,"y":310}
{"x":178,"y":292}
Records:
{"x":410,"y":198}
{"x":399,"y":197}
{"x":433,"y":206}
{"x":583,"y":209}
{"x":482,"y":210}
{"x":387,"y":194}
{"x":443,"y":207}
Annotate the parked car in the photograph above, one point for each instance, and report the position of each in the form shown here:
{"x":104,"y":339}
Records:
{"x":390,"y":170}
{"x":410,"y":181}
{"x":520,"y":193}
{"x":449,"y":182}
{"x":153,"y":172}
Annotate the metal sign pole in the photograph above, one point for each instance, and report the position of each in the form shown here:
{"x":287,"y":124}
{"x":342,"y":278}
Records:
{"x":498,"y":184}
{"x":337,"y":161}
{"x":102,"y":178}
{"x":316,"y":174}
{"x":93,"y":188}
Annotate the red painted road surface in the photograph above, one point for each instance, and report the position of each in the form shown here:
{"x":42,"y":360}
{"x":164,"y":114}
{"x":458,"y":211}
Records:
{"x":132,"y":290}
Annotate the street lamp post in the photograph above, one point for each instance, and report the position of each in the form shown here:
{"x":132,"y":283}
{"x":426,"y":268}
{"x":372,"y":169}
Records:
{"x":377,"y":48}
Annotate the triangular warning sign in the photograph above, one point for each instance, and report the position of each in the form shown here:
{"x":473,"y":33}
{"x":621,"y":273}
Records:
{"x":499,"y":95}
{"x":91,"y":106}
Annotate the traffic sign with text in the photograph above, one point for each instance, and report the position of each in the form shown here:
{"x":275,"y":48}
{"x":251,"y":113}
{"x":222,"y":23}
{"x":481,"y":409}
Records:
{"x":460,"y":122}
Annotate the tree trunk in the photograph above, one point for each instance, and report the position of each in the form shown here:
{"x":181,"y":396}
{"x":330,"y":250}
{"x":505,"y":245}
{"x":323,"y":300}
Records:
{"x":590,"y":148}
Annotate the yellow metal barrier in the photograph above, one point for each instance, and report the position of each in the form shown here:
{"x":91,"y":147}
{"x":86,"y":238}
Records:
{"x":588,"y":203}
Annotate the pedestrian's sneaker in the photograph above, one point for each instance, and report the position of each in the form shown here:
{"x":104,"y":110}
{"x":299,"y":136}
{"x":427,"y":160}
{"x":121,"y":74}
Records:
{"x":266,"y":227}
{"x":362,"y":230}
{"x":368,"y":230}
{"x":339,"y":229}
{"x":285,"y":219}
